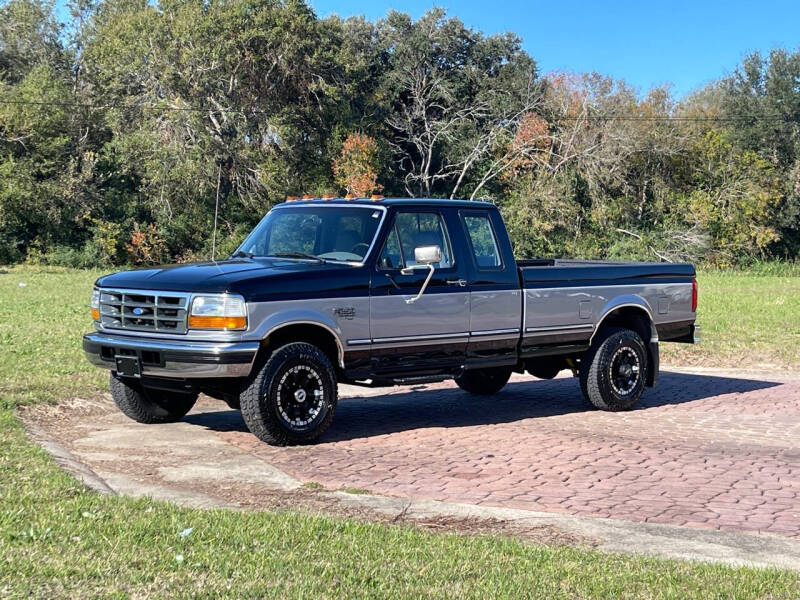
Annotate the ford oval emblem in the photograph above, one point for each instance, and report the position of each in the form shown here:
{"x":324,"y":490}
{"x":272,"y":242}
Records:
{"x":137,"y":311}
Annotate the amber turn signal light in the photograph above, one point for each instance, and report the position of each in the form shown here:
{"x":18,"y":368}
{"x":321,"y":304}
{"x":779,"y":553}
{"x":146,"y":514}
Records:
{"x":200,"y":322}
{"x":96,"y":314}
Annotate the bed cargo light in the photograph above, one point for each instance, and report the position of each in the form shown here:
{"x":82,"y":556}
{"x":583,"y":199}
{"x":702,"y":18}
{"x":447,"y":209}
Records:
{"x":219,"y":311}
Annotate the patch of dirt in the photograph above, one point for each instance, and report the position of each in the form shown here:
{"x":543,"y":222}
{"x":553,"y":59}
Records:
{"x":540,"y":534}
{"x":63,"y":421}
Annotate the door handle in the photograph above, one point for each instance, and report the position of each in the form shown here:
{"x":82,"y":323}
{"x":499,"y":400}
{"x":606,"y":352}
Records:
{"x":458,"y":282}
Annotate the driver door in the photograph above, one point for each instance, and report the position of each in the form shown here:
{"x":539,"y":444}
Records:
{"x":429,"y":335}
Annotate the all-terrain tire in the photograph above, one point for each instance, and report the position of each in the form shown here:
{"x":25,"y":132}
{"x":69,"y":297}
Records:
{"x":292,"y":399}
{"x":614,"y":370}
{"x":484,"y":382}
{"x":146,"y":405}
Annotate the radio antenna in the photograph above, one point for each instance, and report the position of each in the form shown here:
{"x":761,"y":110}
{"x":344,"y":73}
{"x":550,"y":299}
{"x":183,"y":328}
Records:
{"x":216,"y":214}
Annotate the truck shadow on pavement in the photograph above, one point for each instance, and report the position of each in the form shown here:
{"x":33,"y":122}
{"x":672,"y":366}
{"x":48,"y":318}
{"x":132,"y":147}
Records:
{"x":434,"y":406}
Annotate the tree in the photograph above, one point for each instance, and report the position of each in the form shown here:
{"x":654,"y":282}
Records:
{"x":120,"y":128}
{"x":356,"y":168}
{"x":47,"y":173}
{"x":456,"y":96}
{"x":220,"y":98}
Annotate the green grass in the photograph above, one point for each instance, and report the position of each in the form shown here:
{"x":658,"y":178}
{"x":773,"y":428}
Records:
{"x":59,"y":540}
{"x":749,"y":319}
{"x":41,"y":324}
{"x":356,"y":491}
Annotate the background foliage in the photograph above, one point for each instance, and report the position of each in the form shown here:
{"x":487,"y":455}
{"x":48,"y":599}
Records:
{"x":121,"y":128}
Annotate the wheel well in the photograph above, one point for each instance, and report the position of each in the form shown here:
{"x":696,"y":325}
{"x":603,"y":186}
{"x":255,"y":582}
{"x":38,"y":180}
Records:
{"x":317,"y":335}
{"x":637,"y":319}
{"x":630,"y":317}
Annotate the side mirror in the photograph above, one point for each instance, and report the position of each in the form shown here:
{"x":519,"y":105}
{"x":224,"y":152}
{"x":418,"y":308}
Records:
{"x":425,"y":256}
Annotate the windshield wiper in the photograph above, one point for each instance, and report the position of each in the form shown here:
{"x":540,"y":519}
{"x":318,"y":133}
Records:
{"x":242,"y":254}
{"x":299,"y":255}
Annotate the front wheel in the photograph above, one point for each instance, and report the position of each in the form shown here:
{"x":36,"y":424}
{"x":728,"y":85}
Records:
{"x":484,"y":382}
{"x":614,"y":370}
{"x":293,"y":397}
{"x":147,"y":405}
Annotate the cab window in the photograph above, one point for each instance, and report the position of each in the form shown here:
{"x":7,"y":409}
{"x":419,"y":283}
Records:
{"x":482,"y":240}
{"x":412,"y":230}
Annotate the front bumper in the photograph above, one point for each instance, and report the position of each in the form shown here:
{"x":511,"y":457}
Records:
{"x":173,"y":358}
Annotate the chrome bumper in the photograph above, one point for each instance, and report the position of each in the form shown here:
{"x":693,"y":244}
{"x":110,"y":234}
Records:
{"x":173,"y":358}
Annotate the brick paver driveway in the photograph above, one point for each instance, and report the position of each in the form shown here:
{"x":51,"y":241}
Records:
{"x":701,"y":450}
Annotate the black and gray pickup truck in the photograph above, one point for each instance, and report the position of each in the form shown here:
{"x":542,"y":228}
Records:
{"x":378,"y":292}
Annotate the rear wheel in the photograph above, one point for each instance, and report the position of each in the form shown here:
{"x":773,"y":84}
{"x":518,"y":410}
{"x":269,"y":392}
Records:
{"x":614,"y":370}
{"x":484,"y":382}
{"x":293,"y":398}
{"x":146,"y":405}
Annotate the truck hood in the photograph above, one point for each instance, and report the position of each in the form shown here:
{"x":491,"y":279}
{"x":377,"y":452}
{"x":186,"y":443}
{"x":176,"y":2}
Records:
{"x":256,"y":278}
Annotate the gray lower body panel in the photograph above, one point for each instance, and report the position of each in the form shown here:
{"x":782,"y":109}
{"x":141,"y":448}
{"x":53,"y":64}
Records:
{"x":173,"y":358}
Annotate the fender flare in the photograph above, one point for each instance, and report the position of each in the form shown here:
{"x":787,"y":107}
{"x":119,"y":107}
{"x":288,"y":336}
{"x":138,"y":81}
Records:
{"x":627,"y":301}
{"x":281,"y":320}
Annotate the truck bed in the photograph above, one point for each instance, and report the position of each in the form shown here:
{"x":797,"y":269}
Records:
{"x":565,"y":301}
{"x":558,"y":271}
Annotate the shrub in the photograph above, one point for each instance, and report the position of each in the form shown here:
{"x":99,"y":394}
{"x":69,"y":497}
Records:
{"x":147,"y":247}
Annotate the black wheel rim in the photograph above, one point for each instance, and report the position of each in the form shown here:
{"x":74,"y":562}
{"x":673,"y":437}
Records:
{"x":300,"y":397}
{"x":624,"y":370}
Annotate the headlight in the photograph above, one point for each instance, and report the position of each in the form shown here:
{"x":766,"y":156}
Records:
{"x":220,"y":311}
{"x":96,"y":304}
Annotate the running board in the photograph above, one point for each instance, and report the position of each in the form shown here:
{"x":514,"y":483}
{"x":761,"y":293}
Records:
{"x":392,"y":381}
{"x":421,"y":379}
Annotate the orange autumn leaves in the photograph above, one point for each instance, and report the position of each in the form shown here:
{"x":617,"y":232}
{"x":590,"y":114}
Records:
{"x":356,"y":167}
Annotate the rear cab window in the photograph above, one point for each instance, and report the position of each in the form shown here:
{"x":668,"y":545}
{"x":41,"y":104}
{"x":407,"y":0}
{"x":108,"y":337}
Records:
{"x":482,"y":240}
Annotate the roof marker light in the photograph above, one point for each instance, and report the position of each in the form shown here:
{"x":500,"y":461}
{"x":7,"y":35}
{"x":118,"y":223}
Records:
{"x":328,"y":196}
{"x":376,"y":197}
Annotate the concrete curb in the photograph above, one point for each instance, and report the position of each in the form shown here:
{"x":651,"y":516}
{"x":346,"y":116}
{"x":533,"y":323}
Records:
{"x":666,"y":541}
{"x":67,"y":461}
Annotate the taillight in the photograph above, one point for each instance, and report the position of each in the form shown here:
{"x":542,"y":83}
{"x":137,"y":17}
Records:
{"x":694,"y":295}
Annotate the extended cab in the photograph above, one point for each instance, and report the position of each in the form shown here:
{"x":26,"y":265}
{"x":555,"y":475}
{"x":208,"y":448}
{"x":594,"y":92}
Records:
{"x":378,"y":292}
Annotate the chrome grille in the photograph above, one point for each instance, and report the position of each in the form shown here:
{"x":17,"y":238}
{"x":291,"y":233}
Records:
{"x":144,"y":310}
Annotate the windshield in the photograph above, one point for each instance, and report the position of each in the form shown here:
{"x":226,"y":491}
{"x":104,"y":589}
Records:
{"x":341,"y":233}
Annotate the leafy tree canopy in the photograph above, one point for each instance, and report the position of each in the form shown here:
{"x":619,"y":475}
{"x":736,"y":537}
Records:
{"x":121,"y":129}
